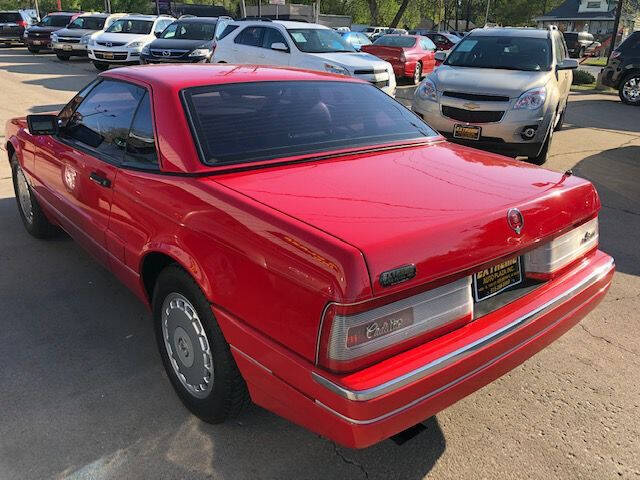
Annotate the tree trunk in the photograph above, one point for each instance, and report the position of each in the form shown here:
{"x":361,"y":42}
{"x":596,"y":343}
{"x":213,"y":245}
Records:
{"x":398,"y":17}
{"x":373,"y":9}
{"x":457,"y":14}
{"x":446,"y":15}
{"x":468,"y":14}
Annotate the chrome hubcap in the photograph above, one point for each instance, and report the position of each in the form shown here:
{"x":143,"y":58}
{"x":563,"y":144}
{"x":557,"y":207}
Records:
{"x":24,"y":195}
{"x":187,"y":345}
{"x":631,"y":89}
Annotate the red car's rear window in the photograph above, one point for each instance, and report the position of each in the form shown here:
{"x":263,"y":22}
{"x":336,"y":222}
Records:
{"x":245,"y":122}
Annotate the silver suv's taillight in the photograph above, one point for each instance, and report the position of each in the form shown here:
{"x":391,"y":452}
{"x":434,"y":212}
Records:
{"x":353,"y":340}
{"x":562,"y":250}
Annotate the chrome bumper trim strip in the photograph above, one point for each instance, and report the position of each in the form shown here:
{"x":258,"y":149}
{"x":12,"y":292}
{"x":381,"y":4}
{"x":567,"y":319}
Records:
{"x":462,"y":352}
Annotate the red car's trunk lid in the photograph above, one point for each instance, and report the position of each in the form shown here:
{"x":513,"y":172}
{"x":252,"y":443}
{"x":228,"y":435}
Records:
{"x":390,"y":54}
{"x":441,"y":207}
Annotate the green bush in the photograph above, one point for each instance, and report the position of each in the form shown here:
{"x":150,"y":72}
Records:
{"x":582,"y":77}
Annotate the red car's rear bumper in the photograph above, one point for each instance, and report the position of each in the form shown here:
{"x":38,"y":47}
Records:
{"x":365,"y":407}
{"x":404,"y":69}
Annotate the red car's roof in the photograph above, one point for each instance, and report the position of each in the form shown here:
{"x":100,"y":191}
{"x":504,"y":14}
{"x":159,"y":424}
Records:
{"x":182,"y":76}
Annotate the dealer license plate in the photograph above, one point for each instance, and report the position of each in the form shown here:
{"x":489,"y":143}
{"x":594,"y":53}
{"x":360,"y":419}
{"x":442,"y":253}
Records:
{"x":66,"y":47}
{"x":37,"y":42}
{"x":467,"y":132}
{"x":108,"y":55}
{"x":493,"y":280}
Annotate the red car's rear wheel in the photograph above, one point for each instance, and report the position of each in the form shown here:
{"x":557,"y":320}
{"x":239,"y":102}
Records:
{"x":195,"y":354}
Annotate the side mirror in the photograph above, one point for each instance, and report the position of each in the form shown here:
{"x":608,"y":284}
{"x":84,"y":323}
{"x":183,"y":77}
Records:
{"x":157,"y":34}
{"x":440,"y":56}
{"x":42,"y":124}
{"x":567,"y":64}
{"x":279,"y":46}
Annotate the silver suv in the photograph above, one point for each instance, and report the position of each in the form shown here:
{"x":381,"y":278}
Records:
{"x":500,"y":89}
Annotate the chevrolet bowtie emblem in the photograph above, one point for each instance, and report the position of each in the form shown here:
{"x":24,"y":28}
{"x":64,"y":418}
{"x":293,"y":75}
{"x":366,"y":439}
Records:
{"x":471,"y":106}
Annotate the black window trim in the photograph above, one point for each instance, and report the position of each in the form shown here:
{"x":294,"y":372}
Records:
{"x":236,"y":39}
{"x":140,"y":165}
{"x":283,"y":38}
{"x":107,"y":158}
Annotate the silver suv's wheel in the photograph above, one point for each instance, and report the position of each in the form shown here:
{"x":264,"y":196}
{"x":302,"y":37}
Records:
{"x":630,"y":89}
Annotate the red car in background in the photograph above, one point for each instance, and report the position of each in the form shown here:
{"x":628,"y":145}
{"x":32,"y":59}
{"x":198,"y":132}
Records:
{"x":443,"y":40}
{"x":410,"y":55}
{"x":38,"y":36}
{"x":303,"y":239}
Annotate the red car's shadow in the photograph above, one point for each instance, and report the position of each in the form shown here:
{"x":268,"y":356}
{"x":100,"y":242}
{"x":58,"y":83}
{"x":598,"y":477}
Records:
{"x":83,"y":391}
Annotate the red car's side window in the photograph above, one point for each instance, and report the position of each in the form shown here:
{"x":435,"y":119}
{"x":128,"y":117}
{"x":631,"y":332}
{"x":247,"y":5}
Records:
{"x":103,"y":119}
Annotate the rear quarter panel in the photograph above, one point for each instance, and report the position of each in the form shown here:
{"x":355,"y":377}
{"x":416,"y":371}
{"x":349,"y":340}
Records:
{"x":270,"y":272}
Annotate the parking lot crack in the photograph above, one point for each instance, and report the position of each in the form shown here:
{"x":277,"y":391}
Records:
{"x":625,"y":210}
{"x":348,"y":461}
{"x":606,"y":340}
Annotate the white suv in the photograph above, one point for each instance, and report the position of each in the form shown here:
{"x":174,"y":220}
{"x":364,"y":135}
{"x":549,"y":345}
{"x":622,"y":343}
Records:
{"x":121,"y":43}
{"x":302,"y":45}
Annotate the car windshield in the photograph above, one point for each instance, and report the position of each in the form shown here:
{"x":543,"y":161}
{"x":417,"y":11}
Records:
{"x":87,"y":23}
{"x":55,"y":21}
{"x":508,"y":53}
{"x":395,"y":41}
{"x":319,"y":40}
{"x":190,"y":31}
{"x":451,"y":37}
{"x":249,"y":122}
{"x":140,"y":27}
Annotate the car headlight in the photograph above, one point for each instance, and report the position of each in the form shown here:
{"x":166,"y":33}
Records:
{"x":200,"y":52}
{"x":135,"y":44}
{"x":146,"y":50}
{"x":329,"y":67}
{"x":531,"y":99}
{"x":91,"y":42}
{"x":427,"y":90}
{"x":54,"y":38}
{"x":85,"y":40}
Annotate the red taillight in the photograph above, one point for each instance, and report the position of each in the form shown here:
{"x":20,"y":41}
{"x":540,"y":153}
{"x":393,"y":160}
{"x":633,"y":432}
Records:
{"x":22,"y":23}
{"x":355,"y":336}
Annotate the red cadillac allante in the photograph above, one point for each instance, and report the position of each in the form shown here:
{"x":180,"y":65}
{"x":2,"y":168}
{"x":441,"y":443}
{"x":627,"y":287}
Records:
{"x":305,"y":241}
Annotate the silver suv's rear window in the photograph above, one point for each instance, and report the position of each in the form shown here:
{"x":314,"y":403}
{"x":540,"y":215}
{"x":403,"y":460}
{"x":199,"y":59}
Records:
{"x":248,"y":122}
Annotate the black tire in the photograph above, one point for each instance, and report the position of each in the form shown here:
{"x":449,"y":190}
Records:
{"x":228,"y":393}
{"x":632,"y":81}
{"x":101,"y":66}
{"x":417,"y":74}
{"x":33,"y":218}
{"x":33,"y":50}
{"x":62,"y":56}
{"x":541,"y":158}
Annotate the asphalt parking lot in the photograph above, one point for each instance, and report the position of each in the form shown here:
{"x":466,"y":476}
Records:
{"x":83,"y":394}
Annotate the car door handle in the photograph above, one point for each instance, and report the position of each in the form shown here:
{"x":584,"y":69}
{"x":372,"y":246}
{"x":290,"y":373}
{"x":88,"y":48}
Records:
{"x":100,"y":180}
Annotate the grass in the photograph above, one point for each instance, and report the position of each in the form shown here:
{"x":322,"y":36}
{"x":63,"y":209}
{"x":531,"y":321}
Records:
{"x":591,"y":87}
{"x":596,"y":61}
